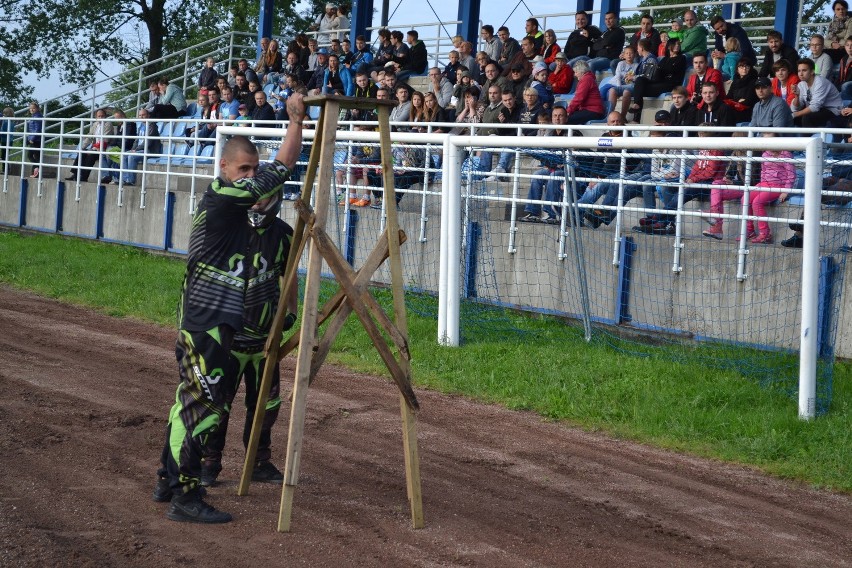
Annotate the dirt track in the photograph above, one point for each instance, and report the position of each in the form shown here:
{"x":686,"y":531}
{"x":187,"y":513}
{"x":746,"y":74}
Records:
{"x":81,"y":422}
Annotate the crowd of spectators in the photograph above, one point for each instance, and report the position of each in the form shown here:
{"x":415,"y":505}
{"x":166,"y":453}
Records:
{"x":712,"y":73}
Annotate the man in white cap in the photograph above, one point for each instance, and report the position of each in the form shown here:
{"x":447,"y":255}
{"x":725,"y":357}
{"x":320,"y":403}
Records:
{"x":326,"y":23}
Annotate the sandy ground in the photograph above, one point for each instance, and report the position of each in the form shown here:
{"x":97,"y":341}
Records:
{"x":81,"y":425}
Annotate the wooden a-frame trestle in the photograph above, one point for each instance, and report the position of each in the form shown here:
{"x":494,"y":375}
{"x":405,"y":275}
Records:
{"x":353,"y":296}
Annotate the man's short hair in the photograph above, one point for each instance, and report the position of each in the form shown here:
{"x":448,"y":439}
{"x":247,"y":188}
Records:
{"x":414,"y":34}
{"x":647,"y":17}
{"x":774,"y":34}
{"x":716,"y":19}
{"x":361,"y":38}
{"x":709,"y":85}
{"x":700,"y":54}
{"x":238,"y":144}
{"x":806,"y":61}
{"x":581,"y":13}
{"x":397,"y":35}
{"x":613,"y":13}
{"x":489,"y":29}
{"x":782,"y":64}
{"x":680,"y":90}
{"x":533,"y":21}
{"x":644,"y":43}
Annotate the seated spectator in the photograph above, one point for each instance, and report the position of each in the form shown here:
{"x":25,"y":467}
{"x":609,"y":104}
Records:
{"x":646,"y":67}
{"x":433,"y":111}
{"x":551,"y":165}
{"x":510,"y":47}
{"x":724,"y":30}
{"x":466,"y":57}
{"x":264,"y":48}
{"x":416,"y":63}
{"x":337,"y":80}
{"x":402,"y":111}
{"x":840,"y":27}
{"x":586,"y":104}
{"x":202,"y":112}
{"x":530,"y":111}
{"x":463,"y":83}
{"x":262,"y":110}
{"x":646,"y":31}
{"x":316,"y":81}
{"x":775,"y":51}
{"x":784,"y":82}
{"x":541,"y":86}
{"x":228,"y":108}
{"x":676,"y":31}
{"x":773,"y":175}
{"x":401,"y":52}
{"x":682,"y":111}
{"x":97,"y":141}
{"x":578,"y":47}
{"x":510,"y":114}
{"x":534,"y":33}
{"x":440,"y":86}
{"x":153,"y":94}
{"x":823,"y":65}
{"x":818,"y":100}
{"x":418,"y":110}
{"x":701,"y":75}
{"x":128,"y":137}
{"x":524,"y":59}
{"x":670,"y":73}
{"x":384,"y":52}
{"x":728,"y":64}
{"x":621,"y":81}
{"x":172,"y":102}
{"x":471,"y":110}
{"x":208,"y":76}
{"x":706,"y":170}
{"x":491,"y":43}
{"x":741,"y":94}
{"x":241,"y":89}
{"x":550,"y":49}
{"x":482,"y":61}
{"x":561,"y":80}
{"x":362,"y":57}
{"x":272,"y":63}
{"x":770,"y":111}
{"x":146,"y":144}
{"x":844,"y":76}
{"x":451,"y":70}
{"x":231,"y":77}
{"x":608,"y":47}
{"x":517,"y":81}
{"x":713,"y":110}
{"x":694,"y":35}
{"x":243,"y":67}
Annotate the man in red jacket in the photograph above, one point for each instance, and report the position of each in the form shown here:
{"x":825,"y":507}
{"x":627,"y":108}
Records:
{"x":704,"y":74}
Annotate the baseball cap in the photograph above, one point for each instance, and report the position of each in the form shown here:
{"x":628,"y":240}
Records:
{"x":663,"y":116}
{"x":561,"y":55}
{"x":242,"y":107}
{"x":322,"y":51}
{"x":390,"y":64}
{"x":762,"y":82}
{"x":540,"y":66}
{"x":678,"y":20}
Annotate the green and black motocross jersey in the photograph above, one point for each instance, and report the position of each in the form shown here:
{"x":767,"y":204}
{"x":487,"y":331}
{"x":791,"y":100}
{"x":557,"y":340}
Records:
{"x":232,"y":269}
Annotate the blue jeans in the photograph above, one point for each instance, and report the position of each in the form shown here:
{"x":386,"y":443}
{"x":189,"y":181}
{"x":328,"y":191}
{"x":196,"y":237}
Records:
{"x":551,"y":187}
{"x":504,"y":161}
{"x":129,"y":163}
{"x":846,"y":91}
{"x":631,"y":191}
{"x":619,"y":90}
{"x":600,"y":64}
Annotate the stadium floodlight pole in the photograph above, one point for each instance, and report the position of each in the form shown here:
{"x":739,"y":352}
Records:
{"x":810,"y":272}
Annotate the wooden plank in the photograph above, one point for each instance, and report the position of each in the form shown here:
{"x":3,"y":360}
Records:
{"x":308,"y":332}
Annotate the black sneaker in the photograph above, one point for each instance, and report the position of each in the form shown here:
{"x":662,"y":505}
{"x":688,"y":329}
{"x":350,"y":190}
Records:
{"x":190,"y":508}
{"x":163,"y":491}
{"x":661,"y":228}
{"x":551,"y":219}
{"x":592,"y":219}
{"x":794,"y":242}
{"x":209,"y":473}
{"x":266,"y":472}
{"x":530,"y":218}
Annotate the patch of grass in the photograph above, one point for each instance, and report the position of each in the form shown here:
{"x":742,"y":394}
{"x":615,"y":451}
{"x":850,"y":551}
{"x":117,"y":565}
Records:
{"x":550,"y":370}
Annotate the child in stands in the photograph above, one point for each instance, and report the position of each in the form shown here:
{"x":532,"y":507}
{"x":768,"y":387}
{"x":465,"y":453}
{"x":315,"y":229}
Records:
{"x":777,"y":173}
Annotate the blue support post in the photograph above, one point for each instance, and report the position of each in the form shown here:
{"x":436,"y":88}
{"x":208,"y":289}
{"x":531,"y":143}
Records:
{"x":22,"y":202}
{"x":351,"y":226}
{"x":60,"y":205}
{"x":360,"y":18}
{"x":608,"y":6}
{"x":472,"y":245}
{"x":825,"y":304}
{"x":585,"y":5}
{"x":625,"y":267}
{"x":168,"y":220}
{"x":787,"y":20}
{"x":100,"y":205}
{"x":469,"y":18}
{"x":264,"y":24}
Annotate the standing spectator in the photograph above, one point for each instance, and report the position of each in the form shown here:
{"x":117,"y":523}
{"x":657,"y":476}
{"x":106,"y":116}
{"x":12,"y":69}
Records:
{"x":694,"y":35}
{"x":342,"y":25}
{"x":586,"y":104}
{"x":325,"y":24}
{"x":784,"y":82}
{"x":774,"y":51}
{"x":579,"y":44}
{"x":440,"y":86}
{"x":147,"y":141}
{"x":724,"y":30}
{"x":208,"y":76}
{"x":823,"y":65}
{"x":532,"y":28}
{"x":35,"y":126}
{"x":313,"y":54}
{"x":172,"y":102}
{"x":770,"y":111}
{"x":671,"y":71}
{"x":562,"y":78}
{"x":491,"y":43}
{"x":509,"y":47}
{"x":607,"y":48}
{"x":818,"y":100}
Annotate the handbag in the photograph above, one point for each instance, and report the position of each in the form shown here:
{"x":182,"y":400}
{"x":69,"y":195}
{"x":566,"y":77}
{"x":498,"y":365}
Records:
{"x":651,"y":71}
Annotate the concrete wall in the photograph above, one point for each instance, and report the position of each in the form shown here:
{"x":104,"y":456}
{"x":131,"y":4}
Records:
{"x":704,"y":299}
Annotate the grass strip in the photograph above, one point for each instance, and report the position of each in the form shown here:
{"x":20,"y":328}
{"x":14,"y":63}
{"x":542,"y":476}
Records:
{"x":682,"y":407}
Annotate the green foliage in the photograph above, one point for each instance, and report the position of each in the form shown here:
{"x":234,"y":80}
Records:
{"x":681,"y":406}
